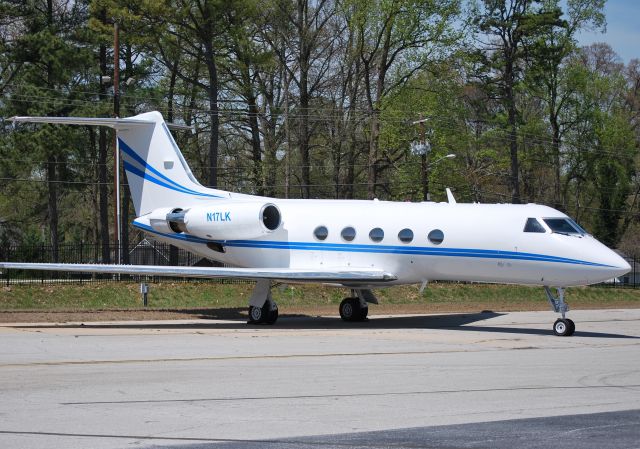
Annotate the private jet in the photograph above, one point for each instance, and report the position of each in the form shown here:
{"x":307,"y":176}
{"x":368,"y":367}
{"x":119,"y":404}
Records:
{"x":357,"y":244}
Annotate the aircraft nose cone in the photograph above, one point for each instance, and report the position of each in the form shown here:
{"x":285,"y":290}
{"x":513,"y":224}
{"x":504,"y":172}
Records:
{"x":619,"y":265}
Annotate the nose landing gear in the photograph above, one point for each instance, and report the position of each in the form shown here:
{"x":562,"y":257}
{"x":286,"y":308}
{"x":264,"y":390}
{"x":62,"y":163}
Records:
{"x":563,"y":327}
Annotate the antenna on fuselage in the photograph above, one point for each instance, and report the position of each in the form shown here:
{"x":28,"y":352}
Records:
{"x":450,"y":197}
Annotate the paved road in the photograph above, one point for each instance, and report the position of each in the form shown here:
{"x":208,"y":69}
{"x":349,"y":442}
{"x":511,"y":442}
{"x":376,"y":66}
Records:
{"x":472,"y":380}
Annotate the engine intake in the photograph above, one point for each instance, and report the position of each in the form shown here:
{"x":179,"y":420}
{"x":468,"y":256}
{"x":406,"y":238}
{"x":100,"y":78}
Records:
{"x":175,"y":220}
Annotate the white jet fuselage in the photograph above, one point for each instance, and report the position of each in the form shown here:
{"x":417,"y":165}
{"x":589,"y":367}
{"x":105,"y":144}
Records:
{"x":482,"y":242}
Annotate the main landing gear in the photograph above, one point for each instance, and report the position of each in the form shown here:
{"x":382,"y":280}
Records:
{"x":262,"y":308}
{"x":356,"y":308}
{"x":563,"y":327}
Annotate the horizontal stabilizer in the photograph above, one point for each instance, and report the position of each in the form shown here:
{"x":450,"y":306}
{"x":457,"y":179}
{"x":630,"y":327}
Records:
{"x":283,"y":274}
{"x":116,"y":123}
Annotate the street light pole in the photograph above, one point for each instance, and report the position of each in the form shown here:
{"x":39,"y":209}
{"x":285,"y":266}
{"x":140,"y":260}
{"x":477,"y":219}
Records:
{"x":424,"y":167}
{"x":424,"y":152}
{"x":433,"y":164}
{"x":116,"y":158}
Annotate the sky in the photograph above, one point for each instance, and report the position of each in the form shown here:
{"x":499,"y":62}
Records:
{"x":623,"y":29}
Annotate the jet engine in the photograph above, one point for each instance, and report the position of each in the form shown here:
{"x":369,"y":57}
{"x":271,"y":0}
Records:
{"x":223,"y":220}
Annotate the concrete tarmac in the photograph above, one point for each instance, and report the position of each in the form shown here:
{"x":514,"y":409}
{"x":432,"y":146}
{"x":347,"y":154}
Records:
{"x":487,"y":380}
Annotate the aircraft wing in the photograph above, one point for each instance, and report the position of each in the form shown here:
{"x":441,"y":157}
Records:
{"x":284,"y":274}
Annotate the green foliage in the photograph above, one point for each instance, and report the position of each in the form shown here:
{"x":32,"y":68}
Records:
{"x":372,"y":69}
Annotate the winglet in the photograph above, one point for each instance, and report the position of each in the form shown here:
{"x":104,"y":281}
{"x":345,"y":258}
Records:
{"x":450,"y":197}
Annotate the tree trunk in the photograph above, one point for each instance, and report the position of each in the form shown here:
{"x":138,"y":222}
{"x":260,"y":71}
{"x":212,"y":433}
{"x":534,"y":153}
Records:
{"x":304,"y":97}
{"x":52,"y":206}
{"x":214,"y":119}
{"x":173,"y":251}
{"x":126,"y":192}
{"x":256,"y":150}
{"x":52,"y":186}
{"x":103,"y":193}
{"x":94,"y":188}
{"x":555,"y":147}
{"x":513,"y":130}
{"x":373,"y":155}
{"x":103,"y":188}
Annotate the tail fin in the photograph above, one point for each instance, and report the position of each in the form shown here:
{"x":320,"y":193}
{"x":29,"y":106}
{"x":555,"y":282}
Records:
{"x":157,"y":173}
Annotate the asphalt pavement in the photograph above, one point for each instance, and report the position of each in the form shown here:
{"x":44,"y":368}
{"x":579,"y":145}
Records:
{"x":486,"y":380}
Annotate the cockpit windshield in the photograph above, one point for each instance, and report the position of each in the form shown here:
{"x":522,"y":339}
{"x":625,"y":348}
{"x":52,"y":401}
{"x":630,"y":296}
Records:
{"x":564,"y":226}
{"x":577,"y":226}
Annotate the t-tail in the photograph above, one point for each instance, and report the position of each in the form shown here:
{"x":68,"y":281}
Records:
{"x":157,"y":173}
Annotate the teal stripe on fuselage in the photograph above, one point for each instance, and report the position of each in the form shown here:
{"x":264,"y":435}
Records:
{"x":379,"y":249}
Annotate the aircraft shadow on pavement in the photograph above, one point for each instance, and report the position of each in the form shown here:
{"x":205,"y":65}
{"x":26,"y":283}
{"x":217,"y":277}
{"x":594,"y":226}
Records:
{"x":235,"y":319}
{"x":613,"y":430}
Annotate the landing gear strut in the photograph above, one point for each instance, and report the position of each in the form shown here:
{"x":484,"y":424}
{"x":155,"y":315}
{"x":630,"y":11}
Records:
{"x":563,"y":327}
{"x":355,"y":308}
{"x":262,"y":308}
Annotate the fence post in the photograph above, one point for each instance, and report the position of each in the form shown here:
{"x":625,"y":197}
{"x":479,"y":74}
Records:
{"x":144,"y":290}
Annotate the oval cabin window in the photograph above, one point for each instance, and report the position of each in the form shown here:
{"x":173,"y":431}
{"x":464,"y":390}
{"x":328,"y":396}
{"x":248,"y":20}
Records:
{"x":405,"y":236}
{"x":321,"y":232}
{"x":436,"y":236}
{"x":376,"y":235}
{"x":348,"y":233}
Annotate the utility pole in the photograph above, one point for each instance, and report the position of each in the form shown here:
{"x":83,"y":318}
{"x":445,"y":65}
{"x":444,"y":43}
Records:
{"x":116,"y":158}
{"x":423,"y":148}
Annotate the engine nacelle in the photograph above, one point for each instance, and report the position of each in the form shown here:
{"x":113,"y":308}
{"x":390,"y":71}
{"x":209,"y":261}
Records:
{"x":223,"y":220}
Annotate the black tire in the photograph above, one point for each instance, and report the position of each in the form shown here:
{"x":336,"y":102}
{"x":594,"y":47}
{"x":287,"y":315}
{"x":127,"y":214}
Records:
{"x":351,"y":310}
{"x":364,"y":311}
{"x":348,"y":309}
{"x":572,"y":326}
{"x":561,"y":327}
{"x":267,"y":314}
{"x":272,"y":314}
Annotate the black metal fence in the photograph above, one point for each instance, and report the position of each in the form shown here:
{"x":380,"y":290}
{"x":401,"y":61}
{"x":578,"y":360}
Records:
{"x":629,"y":280}
{"x":144,"y":253}
{"x":148,"y":253}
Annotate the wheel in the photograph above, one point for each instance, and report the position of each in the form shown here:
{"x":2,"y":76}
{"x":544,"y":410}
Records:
{"x":351,"y":310}
{"x":572,"y":327}
{"x":562,"y":327}
{"x":267,"y":314}
{"x":347,"y":309}
{"x":255,"y":315}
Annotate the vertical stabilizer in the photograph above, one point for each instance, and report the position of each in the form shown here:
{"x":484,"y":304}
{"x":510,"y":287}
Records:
{"x":157,"y":173}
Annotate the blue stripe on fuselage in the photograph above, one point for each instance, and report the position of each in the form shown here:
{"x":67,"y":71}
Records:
{"x":168,"y":182}
{"x":135,"y":171}
{"x":380,"y":249}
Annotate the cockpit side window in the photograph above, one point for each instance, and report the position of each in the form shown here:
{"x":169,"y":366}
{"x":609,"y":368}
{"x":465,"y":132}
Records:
{"x":533,"y":225}
{"x":563,"y":226}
